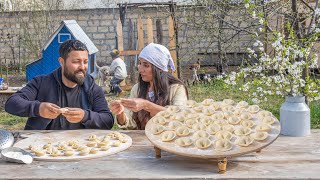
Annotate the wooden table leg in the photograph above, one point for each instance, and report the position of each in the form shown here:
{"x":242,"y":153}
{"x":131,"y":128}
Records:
{"x":158,"y":152}
{"x":222,"y":164}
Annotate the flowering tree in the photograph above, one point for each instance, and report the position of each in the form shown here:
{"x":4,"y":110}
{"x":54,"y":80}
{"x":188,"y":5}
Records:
{"x":286,"y":70}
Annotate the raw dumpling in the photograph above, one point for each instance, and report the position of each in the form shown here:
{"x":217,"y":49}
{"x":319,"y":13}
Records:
{"x":159,"y":120}
{"x":244,"y":141}
{"x":245,"y":116}
{"x":199,"y":126}
{"x":91,"y":144}
{"x":174,"y":124}
{"x":191,"y":122}
{"x":263,"y":127}
{"x":242,"y":131}
{"x":184,"y":141}
{"x":177,"y":117}
{"x":200,"y":134}
{"x":191,"y":103}
{"x":222,"y":145}
{"x":218,"y":115}
{"x":104,"y":148}
{"x":242,"y":104}
{"x":191,"y":116}
{"x":263,"y":114}
{"x":207,"y":102}
{"x":224,"y":135}
{"x":247,"y":123}
{"x":237,"y":112}
{"x":93,"y":151}
{"x":227,"y":114}
{"x":215,"y":106}
{"x":228,"y":101}
{"x":259,"y":136}
{"x":206,"y":120}
{"x":208,"y":111}
{"x":84,"y":152}
{"x":173,"y":109}
{"x":164,"y":114}
{"x":182,"y":131}
{"x":253,"y":108}
{"x":198,"y":107}
{"x":68,"y":153}
{"x":92,"y":137}
{"x":268,"y":120}
{"x":213,"y":129}
{"x":203,"y":143}
{"x":228,"y":127}
{"x":234,"y":120}
{"x":116,"y":143}
{"x":168,"y":136}
{"x":228,"y":108}
{"x":157,"y":129}
{"x":220,"y":122}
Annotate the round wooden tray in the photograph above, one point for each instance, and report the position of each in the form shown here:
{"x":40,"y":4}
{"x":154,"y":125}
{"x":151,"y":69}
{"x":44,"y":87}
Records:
{"x":210,"y":152}
{"x":40,"y":139}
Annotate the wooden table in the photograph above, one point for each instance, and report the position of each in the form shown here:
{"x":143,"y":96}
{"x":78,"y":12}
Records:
{"x":286,"y":158}
{"x":5,"y":94}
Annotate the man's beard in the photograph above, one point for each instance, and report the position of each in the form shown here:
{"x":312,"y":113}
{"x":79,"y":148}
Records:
{"x":72,"y":76}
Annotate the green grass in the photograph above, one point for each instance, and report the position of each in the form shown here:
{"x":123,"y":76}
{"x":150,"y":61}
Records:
{"x":216,"y":90}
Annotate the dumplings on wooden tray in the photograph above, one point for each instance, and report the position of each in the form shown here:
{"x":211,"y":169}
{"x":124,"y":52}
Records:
{"x":157,"y":129}
{"x":244,"y":141}
{"x":168,"y":136}
{"x":242,"y":131}
{"x":203,"y":143}
{"x":222,"y":145}
{"x":259,"y":136}
{"x":182,"y":131}
{"x":184,"y":141}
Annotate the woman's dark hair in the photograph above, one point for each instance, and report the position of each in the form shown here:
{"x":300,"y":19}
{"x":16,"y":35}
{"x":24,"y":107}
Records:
{"x":161,"y":82}
{"x":71,"y":45}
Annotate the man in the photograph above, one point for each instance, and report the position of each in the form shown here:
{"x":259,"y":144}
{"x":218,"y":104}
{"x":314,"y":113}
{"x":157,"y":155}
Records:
{"x":67,"y":98}
{"x":118,"y":70}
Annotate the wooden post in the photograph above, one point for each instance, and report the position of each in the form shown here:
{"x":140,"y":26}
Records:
{"x":120,"y":37}
{"x":159,"y":31}
{"x":149,"y":30}
{"x":140,"y":34}
{"x":158,"y":152}
{"x":172,"y":44}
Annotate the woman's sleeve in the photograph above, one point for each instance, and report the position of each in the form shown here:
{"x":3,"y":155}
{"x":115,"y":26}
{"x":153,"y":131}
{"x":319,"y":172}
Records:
{"x":178,"y":95}
{"x":129,"y":122}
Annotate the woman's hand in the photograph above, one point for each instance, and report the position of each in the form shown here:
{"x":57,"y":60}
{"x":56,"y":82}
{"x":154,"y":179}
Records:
{"x":134,"y":104}
{"x":116,"y":107}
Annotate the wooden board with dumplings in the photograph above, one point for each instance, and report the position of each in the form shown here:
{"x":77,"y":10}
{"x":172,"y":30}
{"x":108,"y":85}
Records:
{"x":75,"y":144}
{"x":213,"y":129}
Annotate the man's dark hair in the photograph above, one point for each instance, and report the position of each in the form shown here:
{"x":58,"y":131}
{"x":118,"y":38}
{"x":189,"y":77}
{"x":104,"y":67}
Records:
{"x":71,"y":45}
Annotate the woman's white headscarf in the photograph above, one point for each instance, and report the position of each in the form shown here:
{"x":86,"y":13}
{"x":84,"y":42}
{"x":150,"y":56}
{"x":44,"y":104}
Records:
{"x":157,"y":55}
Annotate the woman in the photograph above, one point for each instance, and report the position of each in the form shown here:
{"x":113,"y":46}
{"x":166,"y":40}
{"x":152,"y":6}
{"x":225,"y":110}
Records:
{"x":156,"y":89}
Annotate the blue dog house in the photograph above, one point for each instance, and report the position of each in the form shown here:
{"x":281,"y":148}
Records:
{"x":69,"y":29}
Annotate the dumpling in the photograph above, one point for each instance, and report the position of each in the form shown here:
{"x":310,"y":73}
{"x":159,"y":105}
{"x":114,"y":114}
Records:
{"x":263,"y":127}
{"x":55,"y":152}
{"x":213,"y":128}
{"x":203,"y":143}
{"x":224,"y":135}
{"x":228,"y":127}
{"x":218,"y":115}
{"x":215,"y":105}
{"x":191,"y":122}
{"x":184,"y":141}
{"x":268,"y":120}
{"x":253,"y":108}
{"x":182,"y":131}
{"x":244,"y":141}
{"x":263,"y":114}
{"x":207,"y":102}
{"x":68,"y":153}
{"x":116,"y":143}
{"x":220,"y":122}
{"x":227,"y":114}
{"x":192,"y":116}
{"x":174,"y":124}
{"x":93,"y":151}
{"x":200,"y":134}
{"x":101,"y":144}
{"x":208,"y":110}
{"x":159,"y":120}
{"x":198,"y":108}
{"x":234,"y":120}
{"x":199,"y":126}
{"x":242,"y":131}
{"x":247,"y":123}
{"x":84,"y":152}
{"x":228,"y":101}
{"x":92,"y":137}
{"x":104,"y":148}
{"x":242,"y":104}
{"x":191,"y":103}
{"x":173,"y":109}
{"x":168,"y":136}
{"x":222,"y":145}
{"x":177,"y":117}
{"x":259,"y":136}
{"x":157,"y":129}
{"x":206,"y":120}
{"x":91,"y":144}
{"x":228,"y":108}
{"x":39,"y":152}
{"x":245,"y":116}
{"x":237,"y":112}
{"x":164,"y":114}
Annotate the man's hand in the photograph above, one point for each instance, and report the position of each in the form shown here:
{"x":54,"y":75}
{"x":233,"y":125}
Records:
{"x":74,"y":115}
{"x":135,"y":104}
{"x":116,"y":107}
{"x":49,"y":110}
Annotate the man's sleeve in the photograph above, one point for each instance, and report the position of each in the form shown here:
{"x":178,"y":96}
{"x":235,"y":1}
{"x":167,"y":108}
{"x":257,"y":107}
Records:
{"x":24,"y":103}
{"x":100,"y":116}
